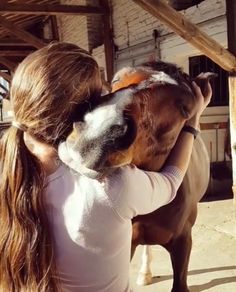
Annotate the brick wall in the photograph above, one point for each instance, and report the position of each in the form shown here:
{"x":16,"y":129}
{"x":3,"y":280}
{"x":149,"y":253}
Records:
{"x":94,"y":27}
{"x":81,"y":30}
{"x":74,"y":28}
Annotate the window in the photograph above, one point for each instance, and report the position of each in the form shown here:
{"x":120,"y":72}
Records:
{"x":220,"y":89}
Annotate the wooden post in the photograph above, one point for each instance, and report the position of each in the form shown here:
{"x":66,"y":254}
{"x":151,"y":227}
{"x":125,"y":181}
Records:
{"x":55,"y":32}
{"x":108,"y":39}
{"x":231,"y":30}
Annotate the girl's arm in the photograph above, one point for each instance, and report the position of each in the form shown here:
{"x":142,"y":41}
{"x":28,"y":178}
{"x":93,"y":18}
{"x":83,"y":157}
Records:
{"x":181,"y":153}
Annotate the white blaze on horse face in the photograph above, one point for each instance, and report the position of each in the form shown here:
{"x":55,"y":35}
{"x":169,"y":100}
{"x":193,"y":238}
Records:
{"x":110,"y":113}
{"x":163,"y":77}
{"x":73,"y":159}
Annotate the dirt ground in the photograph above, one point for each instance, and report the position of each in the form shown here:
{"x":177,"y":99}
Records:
{"x":213,"y":259}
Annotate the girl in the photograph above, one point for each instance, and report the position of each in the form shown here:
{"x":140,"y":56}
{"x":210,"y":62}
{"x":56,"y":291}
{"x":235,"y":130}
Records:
{"x":59,"y":230}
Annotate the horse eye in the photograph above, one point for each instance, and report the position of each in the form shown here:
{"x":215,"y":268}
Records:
{"x":184,"y":111}
{"x":115,"y":80}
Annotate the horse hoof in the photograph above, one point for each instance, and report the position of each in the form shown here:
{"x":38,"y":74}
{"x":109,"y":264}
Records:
{"x":144,"y":279}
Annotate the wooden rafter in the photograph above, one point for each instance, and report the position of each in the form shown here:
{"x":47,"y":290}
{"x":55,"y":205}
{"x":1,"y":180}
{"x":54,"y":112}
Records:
{"x":190,"y":32}
{"x":17,"y":53}
{"x":12,"y":42}
{"x":49,"y":9}
{"x":9,"y":64}
{"x":5,"y":76}
{"x":21,"y":33}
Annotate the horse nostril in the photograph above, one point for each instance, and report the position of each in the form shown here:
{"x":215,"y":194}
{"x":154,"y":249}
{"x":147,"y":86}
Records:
{"x":119,"y":130}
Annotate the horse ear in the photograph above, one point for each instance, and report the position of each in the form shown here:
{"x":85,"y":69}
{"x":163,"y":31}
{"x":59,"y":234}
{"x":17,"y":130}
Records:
{"x":203,"y":78}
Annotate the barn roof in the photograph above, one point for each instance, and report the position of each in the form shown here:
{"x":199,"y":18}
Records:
{"x":21,"y":27}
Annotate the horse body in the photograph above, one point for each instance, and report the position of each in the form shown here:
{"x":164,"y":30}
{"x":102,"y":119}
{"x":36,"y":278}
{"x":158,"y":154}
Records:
{"x":171,"y":225}
{"x":140,"y":125}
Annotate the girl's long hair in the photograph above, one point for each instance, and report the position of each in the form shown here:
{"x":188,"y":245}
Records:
{"x":46,"y":90}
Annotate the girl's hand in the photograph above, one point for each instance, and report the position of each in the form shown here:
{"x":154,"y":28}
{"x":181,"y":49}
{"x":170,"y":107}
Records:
{"x":202,"y":103}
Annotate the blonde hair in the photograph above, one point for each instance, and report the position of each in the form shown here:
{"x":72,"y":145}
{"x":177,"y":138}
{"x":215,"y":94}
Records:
{"x":46,"y":91}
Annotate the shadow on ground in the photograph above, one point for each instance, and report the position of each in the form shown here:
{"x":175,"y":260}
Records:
{"x":205,"y":286}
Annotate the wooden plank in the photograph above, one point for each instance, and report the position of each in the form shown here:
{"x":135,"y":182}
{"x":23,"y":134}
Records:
{"x":108,"y":39}
{"x":213,"y":126}
{"x":21,"y":33}
{"x":49,"y":9}
{"x":231,"y":34}
{"x":9,"y":53}
{"x":190,"y":32}
{"x":9,"y":64}
{"x":5,"y":76}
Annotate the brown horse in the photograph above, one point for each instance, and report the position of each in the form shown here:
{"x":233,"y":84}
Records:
{"x":139,"y":123}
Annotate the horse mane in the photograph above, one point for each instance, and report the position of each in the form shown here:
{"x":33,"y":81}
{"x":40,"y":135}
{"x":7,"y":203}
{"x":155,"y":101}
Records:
{"x":172,"y":70}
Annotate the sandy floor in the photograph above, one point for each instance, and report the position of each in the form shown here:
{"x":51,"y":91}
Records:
{"x":213,"y":259}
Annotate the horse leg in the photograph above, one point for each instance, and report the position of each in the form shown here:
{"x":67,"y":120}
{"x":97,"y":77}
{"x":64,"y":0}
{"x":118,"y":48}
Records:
{"x":145,"y":274}
{"x":180,"y":249}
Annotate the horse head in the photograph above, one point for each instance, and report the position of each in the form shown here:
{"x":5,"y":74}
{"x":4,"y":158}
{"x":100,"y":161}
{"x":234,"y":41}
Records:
{"x":138,"y":123}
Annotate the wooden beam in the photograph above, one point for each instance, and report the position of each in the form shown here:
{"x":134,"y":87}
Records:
{"x":5,"y":76}
{"x":11,"y":42}
{"x":9,"y":64}
{"x":9,"y":53}
{"x":49,"y":9}
{"x":21,"y":33}
{"x":190,"y":32}
{"x":108,"y":39}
